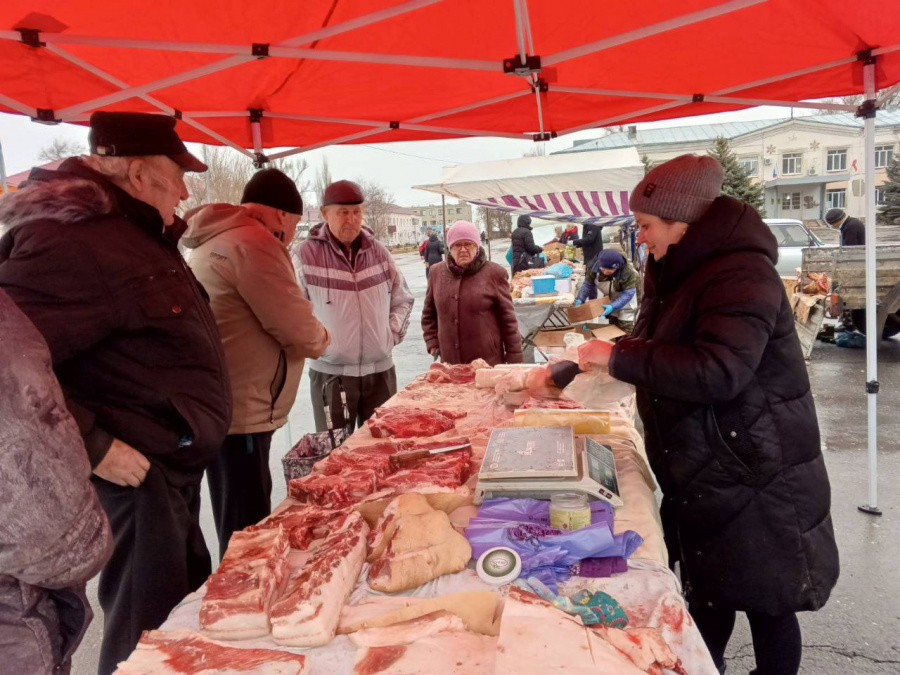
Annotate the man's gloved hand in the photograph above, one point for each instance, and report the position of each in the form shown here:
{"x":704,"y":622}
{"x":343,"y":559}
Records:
{"x":607,"y":310}
{"x":578,"y":302}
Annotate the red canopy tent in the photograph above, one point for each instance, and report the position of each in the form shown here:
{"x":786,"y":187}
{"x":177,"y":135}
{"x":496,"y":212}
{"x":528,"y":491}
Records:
{"x":276,"y":74}
{"x":320,"y":72}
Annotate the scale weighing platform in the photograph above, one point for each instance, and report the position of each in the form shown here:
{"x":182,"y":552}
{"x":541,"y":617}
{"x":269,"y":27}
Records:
{"x":536,"y":462}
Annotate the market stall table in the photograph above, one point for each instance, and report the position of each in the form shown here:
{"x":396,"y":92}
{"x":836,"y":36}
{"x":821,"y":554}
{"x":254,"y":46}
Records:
{"x":648,"y":591}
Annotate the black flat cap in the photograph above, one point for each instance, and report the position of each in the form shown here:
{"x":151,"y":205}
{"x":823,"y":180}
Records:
{"x":343,"y":192}
{"x":834,"y":216}
{"x":271,"y":187}
{"x":126,"y":134}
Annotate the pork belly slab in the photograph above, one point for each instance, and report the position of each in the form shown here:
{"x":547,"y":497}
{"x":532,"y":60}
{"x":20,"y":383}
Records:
{"x":307,"y":614}
{"x":184,"y":652}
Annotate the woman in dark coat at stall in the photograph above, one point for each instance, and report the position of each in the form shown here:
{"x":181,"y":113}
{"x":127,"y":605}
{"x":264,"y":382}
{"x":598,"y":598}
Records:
{"x":468,"y":312}
{"x":729,"y":418}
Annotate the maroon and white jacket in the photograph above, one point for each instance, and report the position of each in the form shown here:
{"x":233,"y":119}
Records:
{"x":365,"y":306}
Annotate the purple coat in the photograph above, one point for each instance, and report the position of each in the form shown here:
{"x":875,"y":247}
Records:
{"x":55,"y":535}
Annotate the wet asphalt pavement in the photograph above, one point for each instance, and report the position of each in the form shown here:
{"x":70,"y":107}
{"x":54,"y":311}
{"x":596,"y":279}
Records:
{"x":858,"y":631}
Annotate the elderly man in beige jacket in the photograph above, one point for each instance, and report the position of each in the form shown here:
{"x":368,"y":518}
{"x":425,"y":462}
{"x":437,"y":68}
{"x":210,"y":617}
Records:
{"x":239,"y":254}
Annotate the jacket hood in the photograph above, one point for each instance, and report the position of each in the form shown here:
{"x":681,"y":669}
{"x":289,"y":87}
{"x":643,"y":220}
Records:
{"x":75,"y":192}
{"x":206,"y":222}
{"x":729,"y":226}
{"x":64,"y":195}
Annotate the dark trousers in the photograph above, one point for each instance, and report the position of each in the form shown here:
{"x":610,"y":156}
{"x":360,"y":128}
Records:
{"x":240,"y":484}
{"x":777,"y":643}
{"x":364,"y":394}
{"x":159,"y":557}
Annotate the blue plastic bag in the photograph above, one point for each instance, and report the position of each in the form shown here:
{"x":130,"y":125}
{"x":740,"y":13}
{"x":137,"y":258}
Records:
{"x":560,"y":270}
{"x":509,"y":256}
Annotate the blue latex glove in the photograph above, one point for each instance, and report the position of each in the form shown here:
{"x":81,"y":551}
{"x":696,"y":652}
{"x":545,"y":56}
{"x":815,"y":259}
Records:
{"x":607,"y":310}
{"x":578,"y":302}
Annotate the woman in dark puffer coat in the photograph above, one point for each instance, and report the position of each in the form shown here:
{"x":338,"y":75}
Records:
{"x":729,"y":418}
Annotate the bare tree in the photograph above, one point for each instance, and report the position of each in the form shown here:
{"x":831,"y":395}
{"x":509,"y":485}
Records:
{"x":538,"y":150}
{"x":60,"y":148}
{"x":228,"y":173}
{"x":891,"y":99}
{"x":377,"y":209}
{"x":496,"y":223}
{"x":323,"y":180}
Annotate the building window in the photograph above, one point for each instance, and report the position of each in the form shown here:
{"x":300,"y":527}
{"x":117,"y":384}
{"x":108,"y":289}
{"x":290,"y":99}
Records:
{"x":750,"y":165}
{"x":836,"y":199}
{"x":879,"y":196}
{"x":791,"y":164}
{"x":790,"y":201}
{"x":884,"y":155}
{"x":837,"y":160}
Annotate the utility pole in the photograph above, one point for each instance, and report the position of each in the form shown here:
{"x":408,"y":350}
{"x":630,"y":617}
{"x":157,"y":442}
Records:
{"x":444,"y":217}
{"x":3,"y":184}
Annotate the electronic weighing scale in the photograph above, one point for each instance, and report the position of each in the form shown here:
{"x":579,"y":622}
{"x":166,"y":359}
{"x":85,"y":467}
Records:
{"x":536,"y":462}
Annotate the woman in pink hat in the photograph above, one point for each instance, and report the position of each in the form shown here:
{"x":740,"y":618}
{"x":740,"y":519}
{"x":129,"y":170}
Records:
{"x":468,"y":311}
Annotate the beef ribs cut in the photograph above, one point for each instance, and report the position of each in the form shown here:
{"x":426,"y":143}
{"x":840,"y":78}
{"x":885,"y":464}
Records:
{"x":409,"y":422}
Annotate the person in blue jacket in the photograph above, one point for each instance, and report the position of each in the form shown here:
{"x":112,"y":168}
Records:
{"x":612,"y":276}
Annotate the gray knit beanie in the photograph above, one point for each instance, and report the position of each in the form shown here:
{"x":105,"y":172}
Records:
{"x":681,"y":189}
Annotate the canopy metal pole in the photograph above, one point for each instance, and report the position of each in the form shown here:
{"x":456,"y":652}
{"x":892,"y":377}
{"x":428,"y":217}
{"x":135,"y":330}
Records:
{"x":3,"y":184}
{"x":444,"y":218}
{"x":872,"y":337}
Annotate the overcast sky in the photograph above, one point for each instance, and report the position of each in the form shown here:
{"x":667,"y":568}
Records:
{"x":398,"y":166}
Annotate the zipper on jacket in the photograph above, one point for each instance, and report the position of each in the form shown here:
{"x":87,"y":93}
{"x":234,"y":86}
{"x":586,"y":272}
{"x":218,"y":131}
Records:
{"x":276,"y":387}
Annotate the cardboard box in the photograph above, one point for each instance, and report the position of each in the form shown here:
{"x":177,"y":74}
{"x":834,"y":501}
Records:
{"x":589,"y":310}
{"x":556,"y":338}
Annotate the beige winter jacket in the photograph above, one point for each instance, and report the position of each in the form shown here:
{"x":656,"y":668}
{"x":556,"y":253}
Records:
{"x":266,"y":323}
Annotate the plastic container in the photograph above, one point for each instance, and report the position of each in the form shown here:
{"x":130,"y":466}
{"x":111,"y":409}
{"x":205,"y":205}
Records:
{"x":543,"y":285}
{"x":498,"y":566}
{"x":569,"y":511}
{"x":312,"y":448}
{"x":563,"y":285}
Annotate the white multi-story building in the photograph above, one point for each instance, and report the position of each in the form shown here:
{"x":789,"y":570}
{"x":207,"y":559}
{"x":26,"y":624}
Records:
{"x":806,"y":164}
{"x":433,"y":214}
{"x":403,"y":226}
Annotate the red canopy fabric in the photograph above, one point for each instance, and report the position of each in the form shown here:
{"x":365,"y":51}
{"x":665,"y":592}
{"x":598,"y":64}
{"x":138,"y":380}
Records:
{"x":371,"y":71}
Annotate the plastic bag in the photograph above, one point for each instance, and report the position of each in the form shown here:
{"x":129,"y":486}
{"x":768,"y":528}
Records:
{"x":547,"y":553}
{"x":560,"y":270}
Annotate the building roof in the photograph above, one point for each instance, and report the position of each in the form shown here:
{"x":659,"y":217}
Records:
{"x":710,"y":132}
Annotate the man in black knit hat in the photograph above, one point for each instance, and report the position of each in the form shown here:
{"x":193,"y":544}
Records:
{"x":240,"y":255}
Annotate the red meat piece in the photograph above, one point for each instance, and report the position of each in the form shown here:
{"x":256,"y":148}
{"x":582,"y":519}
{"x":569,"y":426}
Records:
{"x":409,"y":422}
{"x":442,"y":373}
{"x":334,"y":491}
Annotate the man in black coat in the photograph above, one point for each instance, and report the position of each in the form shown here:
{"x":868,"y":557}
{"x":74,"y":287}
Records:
{"x":90,"y":256}
{"x":853,"y":232}
{"x":591,"y":242}
{"x":729,"y":418}
{"x":523,"y":246}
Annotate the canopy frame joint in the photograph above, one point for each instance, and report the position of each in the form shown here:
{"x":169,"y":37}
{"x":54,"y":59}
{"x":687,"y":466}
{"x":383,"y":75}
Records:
{"x":698,"y":98}
{"x":45,"y":116}
{"x":260,"y":160}
{"x":32,"y":37}
{"x":523,"y":68}
{"x":543,"y":136}
{"x":260,"y":50}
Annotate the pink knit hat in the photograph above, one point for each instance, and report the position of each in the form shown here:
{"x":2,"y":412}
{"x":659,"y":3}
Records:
{"x":463,"y":230}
